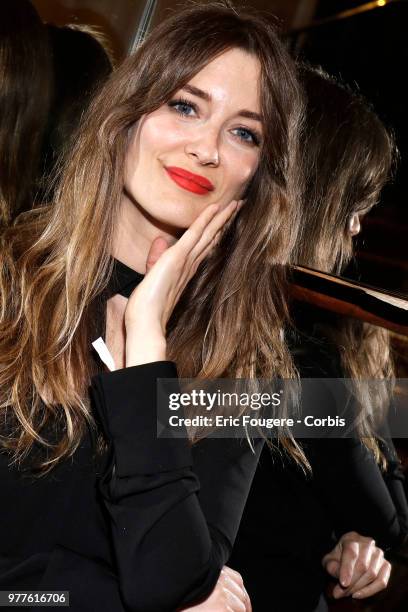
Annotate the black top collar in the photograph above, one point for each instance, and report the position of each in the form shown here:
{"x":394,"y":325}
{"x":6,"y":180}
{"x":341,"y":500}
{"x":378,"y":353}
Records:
{"x":123,"y":279}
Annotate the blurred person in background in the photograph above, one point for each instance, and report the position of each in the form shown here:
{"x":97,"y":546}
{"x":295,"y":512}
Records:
{"x":339,"y":520}
{"x":26,"y":84}
{"x":48,"y":75}
{"x":82,"y":60}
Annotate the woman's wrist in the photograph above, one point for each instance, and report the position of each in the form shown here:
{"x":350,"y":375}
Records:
{"x":144,"y":347}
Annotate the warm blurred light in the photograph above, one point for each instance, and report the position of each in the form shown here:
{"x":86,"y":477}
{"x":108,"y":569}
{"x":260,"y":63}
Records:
{"x":381,"y":2}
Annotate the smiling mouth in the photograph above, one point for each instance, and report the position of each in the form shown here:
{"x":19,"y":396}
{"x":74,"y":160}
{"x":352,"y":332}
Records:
{"x":191,"y":182}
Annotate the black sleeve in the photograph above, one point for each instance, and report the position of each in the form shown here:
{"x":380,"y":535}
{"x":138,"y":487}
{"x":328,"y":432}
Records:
{"x":395,"y":480}
{"x":346,"y":477}
{"x":174,"y":509}
{"x":359,"y":497}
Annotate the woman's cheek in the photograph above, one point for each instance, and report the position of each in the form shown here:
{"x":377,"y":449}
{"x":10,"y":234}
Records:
{"x":164,"y":132}
{"x":247,"y":171}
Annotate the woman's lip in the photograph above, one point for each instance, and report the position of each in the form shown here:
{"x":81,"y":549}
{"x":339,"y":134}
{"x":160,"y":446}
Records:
{"x":185,"y":183}
{"x":195,"y":178}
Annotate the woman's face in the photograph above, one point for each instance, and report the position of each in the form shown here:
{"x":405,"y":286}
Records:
{"x":202,"y":146}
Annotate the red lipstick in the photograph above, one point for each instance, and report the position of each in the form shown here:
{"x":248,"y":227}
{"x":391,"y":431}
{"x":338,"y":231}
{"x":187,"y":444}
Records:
{"x":189,"y":181}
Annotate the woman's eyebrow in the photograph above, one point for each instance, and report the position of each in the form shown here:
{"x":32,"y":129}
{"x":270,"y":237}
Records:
{"x":249,"y":115}
{"x":196,"y":91}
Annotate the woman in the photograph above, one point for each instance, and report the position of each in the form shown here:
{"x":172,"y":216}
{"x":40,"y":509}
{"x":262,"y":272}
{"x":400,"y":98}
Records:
{"x":141,"y":247}
{"x":347,"y":160}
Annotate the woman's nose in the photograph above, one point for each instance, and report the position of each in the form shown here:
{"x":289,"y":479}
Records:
{"x":204,"y":148}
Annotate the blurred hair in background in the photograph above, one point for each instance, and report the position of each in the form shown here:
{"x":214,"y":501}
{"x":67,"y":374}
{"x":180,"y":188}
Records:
{"x":348,"y":157}
{"x":25,"y":90}
{"x":48,"y":75}
{"x":82,"y":60}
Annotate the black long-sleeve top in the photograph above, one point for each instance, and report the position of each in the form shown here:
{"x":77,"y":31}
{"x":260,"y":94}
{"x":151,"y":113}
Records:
{"x":291,"y":520}
{"x":146,"y":526}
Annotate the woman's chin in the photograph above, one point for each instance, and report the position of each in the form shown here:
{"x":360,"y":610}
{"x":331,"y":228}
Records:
{"x":177,"y":214}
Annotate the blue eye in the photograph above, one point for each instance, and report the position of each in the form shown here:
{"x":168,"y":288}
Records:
{"x":183,"y":107}
{"x":248,"y":136}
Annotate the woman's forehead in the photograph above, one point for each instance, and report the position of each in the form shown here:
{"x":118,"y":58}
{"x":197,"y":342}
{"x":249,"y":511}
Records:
{"x":233,"y":76}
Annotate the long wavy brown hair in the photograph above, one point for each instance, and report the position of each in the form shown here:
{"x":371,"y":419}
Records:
{"x":348,"y":157}
{"x":56,"y":261}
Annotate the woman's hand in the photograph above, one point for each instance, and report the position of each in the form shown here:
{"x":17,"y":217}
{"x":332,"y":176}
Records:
{"x":229,"y":595}
{"x":169,"y":269}
{"x":359,"y":566}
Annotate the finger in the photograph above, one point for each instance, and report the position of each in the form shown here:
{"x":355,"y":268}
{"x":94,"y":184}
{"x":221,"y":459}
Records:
{"x":376,"y":562}
{"x":365,"y":563}
{"x":157,"y":248}
{"x":193,"y":239}
{"x":331,"y":557}
{"x":247,"y":601}
{"x":214,"y":228}
{"x":193,"y":234}
{"x":207,"y":244}
{"x":332,"y":566}
{"x":371,"y":560}
{"x":378,"y":585}
{"x":236,"y":576}
{"x":233,"y":215}
{"x":350,"y":554}
{"x":223,"y":229}
{"x":217,"y":223}
{"x":234,"y":586}
{"x":338,"y":592}
{"x":235,"y":603}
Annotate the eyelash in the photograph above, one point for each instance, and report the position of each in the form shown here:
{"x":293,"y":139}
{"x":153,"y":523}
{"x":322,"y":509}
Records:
{"x":256,"y":138}
{"x":182,"y":101}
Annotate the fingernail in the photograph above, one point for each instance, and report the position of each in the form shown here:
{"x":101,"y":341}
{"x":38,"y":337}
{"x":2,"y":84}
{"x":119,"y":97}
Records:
{"x":356,"y":595}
